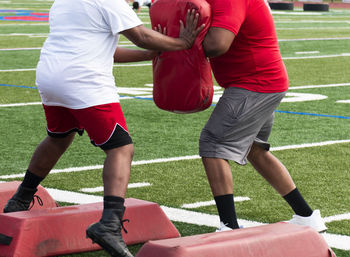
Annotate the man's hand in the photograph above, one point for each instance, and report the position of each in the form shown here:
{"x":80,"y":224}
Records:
{"x":157,"y":40}
{"x":190,"y":32}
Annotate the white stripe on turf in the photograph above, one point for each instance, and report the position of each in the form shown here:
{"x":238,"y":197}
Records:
{"x":161,"y":160}
{"x":212,"y":202}
{"x":100,"y":189}
{"x":338,"y":217}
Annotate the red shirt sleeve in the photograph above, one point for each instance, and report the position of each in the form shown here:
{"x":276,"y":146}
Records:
{"x":228,"y":14}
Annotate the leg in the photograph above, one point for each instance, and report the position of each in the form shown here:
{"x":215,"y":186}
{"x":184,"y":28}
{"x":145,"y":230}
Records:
{"x":279,"y":178}
{"x":48,"y":153}
{"x":271,"y":169}
{"x":44,"y":158}
{"x":116,"y":170}
{"x":220,"y":179}
{"x":219,"y":176}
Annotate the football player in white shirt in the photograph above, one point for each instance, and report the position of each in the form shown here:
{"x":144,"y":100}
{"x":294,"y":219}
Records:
{"x":75,"y":81}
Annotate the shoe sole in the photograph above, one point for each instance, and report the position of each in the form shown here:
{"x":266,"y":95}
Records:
{"x":103,"y":244}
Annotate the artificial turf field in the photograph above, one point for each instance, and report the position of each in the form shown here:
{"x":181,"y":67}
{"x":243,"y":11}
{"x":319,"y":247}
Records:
{"x":311,"y":135}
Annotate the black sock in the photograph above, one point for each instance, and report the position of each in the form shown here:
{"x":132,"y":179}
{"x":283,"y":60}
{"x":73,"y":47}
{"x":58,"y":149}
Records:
{"x":113,"y":202}
{"x":226,"y":208}
{"x":298,"y":204}
{"x":31,"y":180}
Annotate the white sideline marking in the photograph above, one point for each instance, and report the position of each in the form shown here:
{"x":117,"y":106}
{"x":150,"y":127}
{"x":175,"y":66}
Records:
{"x":212,"y":202}
{"x":73,"y":197}
{"x":308,"y":52}
{"x":20,"y":104}
{"x":344,"y":101}
{"x":317,"y":56}
{"x":344,"y":216}
{"x":313,"y":39}
{"x":31,"y":69}
{"x":286,"y":147}
{"x":100,"y":189}
{"x":20,"y":49}
{"x":314,"y":28}
{"x":190,"y":217}
{"x":25,"y":34}
{"x":302,"y":97}
{"x":321,"y":86}
{"x":162,"y":160}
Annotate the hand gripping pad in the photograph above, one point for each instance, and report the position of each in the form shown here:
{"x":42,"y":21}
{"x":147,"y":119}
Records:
{"x":182,"y":80}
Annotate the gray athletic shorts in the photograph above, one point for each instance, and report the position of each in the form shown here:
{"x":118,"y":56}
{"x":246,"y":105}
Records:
{"x":240,"y":118}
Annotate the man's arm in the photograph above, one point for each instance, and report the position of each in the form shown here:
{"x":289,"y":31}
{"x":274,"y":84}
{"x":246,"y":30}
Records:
{"x":133,"y":55}
{"x":153,"y":40}
{"x":217,"y":41}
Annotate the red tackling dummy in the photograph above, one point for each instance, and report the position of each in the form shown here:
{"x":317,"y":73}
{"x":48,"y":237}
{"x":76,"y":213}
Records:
{"x":182,"y":80}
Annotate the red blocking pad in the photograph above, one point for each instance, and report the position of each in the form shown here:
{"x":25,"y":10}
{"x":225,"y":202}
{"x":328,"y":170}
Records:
{"x":274,"y":240}
{"x":8,"y":189}
{"x":61,"y":230}
{"x":182,"y":80}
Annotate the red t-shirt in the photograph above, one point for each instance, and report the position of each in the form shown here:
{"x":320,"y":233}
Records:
{"x":253,"y":61}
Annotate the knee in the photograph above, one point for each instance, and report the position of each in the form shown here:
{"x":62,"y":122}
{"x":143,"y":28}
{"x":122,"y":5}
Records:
{"x":256,"y":152}
{"x":125,"y":151}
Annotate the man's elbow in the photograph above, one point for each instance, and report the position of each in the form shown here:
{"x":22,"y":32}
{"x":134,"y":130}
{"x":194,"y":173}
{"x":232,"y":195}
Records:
{"x":214,"y":50}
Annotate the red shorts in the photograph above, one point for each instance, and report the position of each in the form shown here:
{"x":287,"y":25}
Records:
{"x":105,"y":124}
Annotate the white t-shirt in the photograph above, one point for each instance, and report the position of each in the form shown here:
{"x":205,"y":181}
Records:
{"x":76,"y":61}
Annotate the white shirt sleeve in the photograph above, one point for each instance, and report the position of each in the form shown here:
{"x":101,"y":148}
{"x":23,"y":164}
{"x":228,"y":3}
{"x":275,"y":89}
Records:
{"x":119,"y":15}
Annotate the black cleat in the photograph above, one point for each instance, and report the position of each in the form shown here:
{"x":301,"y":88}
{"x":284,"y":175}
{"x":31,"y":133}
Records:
{"x":22,"y":199}
{"x":107,"y":233}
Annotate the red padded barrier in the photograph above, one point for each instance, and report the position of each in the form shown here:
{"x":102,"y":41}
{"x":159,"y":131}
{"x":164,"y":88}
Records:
{"x":274,"y":240}
{"x":182,"y":80}
{"x":8,"y":189}
{"x":61,"y":230}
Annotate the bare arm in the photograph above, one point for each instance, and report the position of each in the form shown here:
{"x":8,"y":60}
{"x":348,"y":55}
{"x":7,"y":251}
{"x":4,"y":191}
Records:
{"x":133,"y":55}
{"x":153,"y":40}
{"x":217,"y":41}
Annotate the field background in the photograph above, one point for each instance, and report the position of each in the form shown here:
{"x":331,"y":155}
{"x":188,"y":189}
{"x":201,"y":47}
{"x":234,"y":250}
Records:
{"x":311,"y":135}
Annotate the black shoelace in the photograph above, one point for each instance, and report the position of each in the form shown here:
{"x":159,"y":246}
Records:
{"x":40,"y":202}
{"x":126,"y":220}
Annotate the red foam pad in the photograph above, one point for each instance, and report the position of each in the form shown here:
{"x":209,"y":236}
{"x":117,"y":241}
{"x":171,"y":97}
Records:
{"x":274,"y":240}
{"x":61,"y":230}
{"x":182,"y":80}
{"x":8,"y":189}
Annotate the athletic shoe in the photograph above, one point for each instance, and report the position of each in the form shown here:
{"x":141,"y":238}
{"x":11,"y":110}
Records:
{"x":224,"y":228}
{"x":315,"y":221}
{"x":107,"y":233}
{"x":22,"y":199}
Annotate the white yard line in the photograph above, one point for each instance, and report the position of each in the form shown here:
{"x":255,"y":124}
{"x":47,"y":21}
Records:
{"x":317,"y":56}
{"x":338,"y":217}
{"x":337,"y":241}
{"x":313,"y":39}
{"x":212,"y":202}
{"x":344,"y":101}
{"x":314,"y":28}
{"x":20,"y":49}
{"x":162,"y":160}
{"x":308,"y":52}
{"x":321,"y":86}
{"x":100,"y":189}
{"x":20,"y":104}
